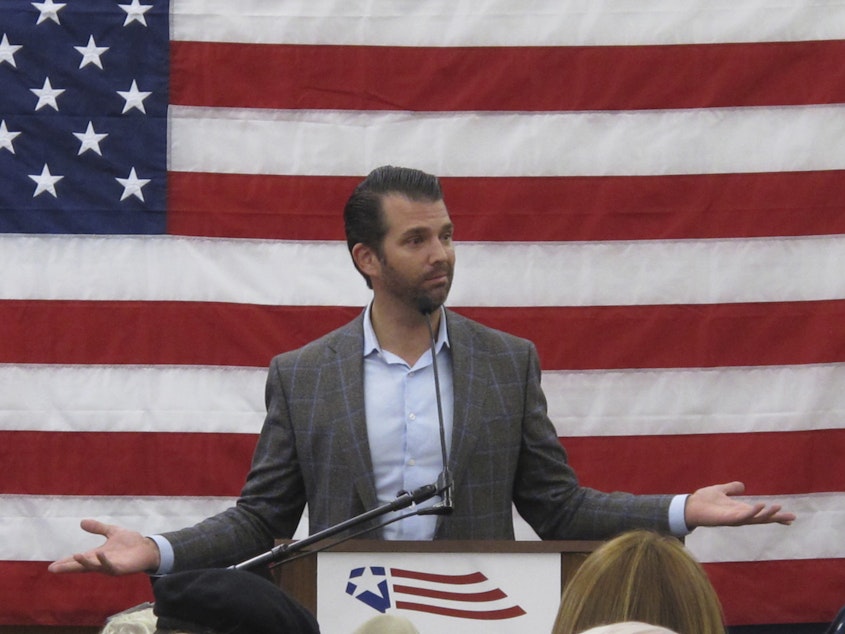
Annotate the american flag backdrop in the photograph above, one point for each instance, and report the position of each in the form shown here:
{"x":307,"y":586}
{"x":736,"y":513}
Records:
{"x":651,"y":190}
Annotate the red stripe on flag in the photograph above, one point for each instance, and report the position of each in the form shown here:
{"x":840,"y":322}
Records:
{"x":786,"y":591}
{"x":676,"y":336}
{"x":471,"y":597}
{"x":220,"y":462}
{"x":473,"y":577}
{"x":567,"y":338}
{"x":258,"y":206}
{"x":615,"y":463}
{"x":140,"y":332}
{"x":750,"y":592}
{"x":286,"y":76}
{"x":33,"y":595}
{"x":526,"y":208}
{"x":105,"y":463}
{"x":480,"y":615}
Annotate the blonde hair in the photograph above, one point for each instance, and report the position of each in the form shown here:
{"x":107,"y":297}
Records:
{"x":139,"y":619}
{"x":640,"y":576}
{"x":387,"y":624}
{"x":629,"y":627}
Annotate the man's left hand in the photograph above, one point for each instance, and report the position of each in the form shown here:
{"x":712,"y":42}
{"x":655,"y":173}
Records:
{"x":716,"y":506}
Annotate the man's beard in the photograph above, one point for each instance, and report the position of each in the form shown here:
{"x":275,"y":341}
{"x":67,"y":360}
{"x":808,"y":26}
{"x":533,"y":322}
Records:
{"x":414,"y":293}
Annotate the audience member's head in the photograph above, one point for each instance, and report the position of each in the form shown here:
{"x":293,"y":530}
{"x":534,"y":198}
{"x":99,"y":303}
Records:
{"x":138,"y":619}
{"x":629,"y":627}
{"x":387,"y":624}
{"x":231,"y":601}
{"x":640,"y":576}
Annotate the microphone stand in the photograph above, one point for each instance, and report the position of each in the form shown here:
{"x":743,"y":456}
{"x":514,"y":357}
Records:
{"x":444,"y":480}
{"x":403,"y":500}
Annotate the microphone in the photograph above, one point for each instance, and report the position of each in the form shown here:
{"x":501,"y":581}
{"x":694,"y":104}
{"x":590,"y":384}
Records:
{"x":444,"y":480}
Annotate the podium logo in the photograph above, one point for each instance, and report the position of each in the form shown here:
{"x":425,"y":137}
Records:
{"x":468,"y":596}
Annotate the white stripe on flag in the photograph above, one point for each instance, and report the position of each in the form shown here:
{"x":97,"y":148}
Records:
{"x":56,"y":531}
{"x":88,"y":398}
{"x":815,"y":534}
{"x":320,"y":273}
{"x":46,"y":528}
{"x":597,"y":403}
{"x":646,"y":142}
{"x":506,"y":23}
{"x":696,"y":400}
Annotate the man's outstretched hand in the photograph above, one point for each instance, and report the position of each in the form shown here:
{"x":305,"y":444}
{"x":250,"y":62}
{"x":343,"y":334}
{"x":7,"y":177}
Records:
{"x":716,"y":506}
{"x":124,"y":552}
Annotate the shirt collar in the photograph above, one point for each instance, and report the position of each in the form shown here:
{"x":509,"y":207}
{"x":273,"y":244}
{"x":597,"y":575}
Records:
{"x":371,"y":343}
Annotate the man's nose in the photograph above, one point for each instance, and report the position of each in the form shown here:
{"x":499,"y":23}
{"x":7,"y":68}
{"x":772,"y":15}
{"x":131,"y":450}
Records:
{"x":438,"y":251}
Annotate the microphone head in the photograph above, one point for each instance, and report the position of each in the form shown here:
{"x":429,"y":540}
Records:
{"x":426,"y":305}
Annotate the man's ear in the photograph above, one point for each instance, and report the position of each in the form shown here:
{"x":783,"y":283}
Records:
{"x":366,"y":259}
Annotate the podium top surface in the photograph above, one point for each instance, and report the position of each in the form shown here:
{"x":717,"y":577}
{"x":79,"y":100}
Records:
{"x":462,"y":546}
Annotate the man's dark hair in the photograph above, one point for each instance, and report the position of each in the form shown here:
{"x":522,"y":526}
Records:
{"x":363,"y":216}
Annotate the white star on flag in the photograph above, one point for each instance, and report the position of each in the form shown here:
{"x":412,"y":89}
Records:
{"x":91,"y":53}
{"x":6,"y":137}
{"x":132,"y":185}
{"x":90,"y":140}
{"x":7,"y":51}
{"x":45,"y":182}
{"x":134,"y":98}
{"x":47,"y":95}
{"x":48,"y":10}
{"x":135,"y":12}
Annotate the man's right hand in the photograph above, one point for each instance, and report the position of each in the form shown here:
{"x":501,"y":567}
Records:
{"x":124,"y":552}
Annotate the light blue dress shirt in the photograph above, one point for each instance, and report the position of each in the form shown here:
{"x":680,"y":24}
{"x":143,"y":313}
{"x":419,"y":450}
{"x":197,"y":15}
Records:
{"x":402,"y":424}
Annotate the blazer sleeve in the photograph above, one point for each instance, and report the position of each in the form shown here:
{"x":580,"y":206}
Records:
{"x":546,"y":490}
{"x":270,"y":504}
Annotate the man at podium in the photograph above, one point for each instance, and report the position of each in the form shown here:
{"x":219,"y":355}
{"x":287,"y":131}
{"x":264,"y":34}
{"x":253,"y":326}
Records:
{"x":367,"y":411}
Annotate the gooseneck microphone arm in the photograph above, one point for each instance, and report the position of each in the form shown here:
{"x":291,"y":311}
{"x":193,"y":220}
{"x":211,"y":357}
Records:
{"x":444,"y":480}
{"x":403,"y":500}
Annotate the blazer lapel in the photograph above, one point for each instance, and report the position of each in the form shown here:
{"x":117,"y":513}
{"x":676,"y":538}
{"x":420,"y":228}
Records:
{"x":348,"y":372}
{"x":471,"y":379}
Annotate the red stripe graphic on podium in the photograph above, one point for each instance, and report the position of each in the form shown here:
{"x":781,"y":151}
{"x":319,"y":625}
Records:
{"x":473,"y":589}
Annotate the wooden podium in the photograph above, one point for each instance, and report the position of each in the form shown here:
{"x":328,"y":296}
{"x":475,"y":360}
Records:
{"x":299,"y":577}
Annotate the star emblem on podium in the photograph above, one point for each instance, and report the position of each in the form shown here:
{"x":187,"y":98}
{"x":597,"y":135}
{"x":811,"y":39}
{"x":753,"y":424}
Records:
{"x":369,"y":585}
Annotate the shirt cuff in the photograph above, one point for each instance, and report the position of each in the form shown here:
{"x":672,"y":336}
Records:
{"x":166,"y":554}
{"x":677,"y":525}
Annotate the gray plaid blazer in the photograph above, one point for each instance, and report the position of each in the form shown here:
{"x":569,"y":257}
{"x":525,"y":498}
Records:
{"x":313,"y":448}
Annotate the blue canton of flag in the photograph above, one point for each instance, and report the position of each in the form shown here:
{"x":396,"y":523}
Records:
{"x":83,"y":116}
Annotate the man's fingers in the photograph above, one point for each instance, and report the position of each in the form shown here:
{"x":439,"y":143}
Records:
{"x":124,"y":552}
{"x":716,"y":505}
{"x":69,"y":564}
{"x":105,"y":565}
{"x":774,"y":514}
{"x":87,"y":562}
{"x":95,"y":526}
{"x":733,"y":488}
{"x":768,"y":513}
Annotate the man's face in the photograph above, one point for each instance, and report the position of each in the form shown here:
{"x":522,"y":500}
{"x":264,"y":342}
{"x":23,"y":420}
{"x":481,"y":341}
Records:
{"x":417,"y":259}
